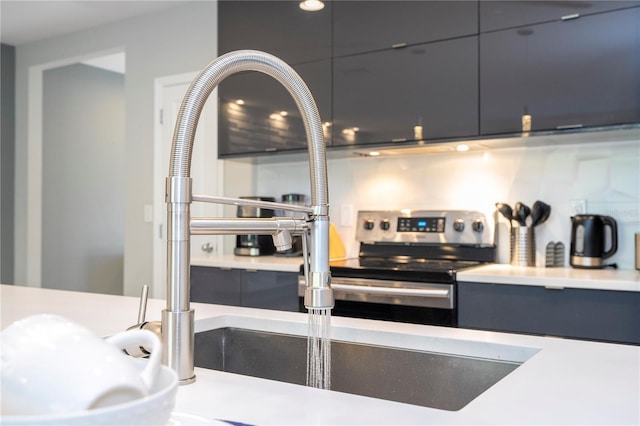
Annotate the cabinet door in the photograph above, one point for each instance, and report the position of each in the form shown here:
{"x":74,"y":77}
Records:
{"x":216,"y":285}
{"x":570,"y":74}
{"x":270,"y":290}
{"x":360,"y":26}
{"x":496,"y":15}
{"x":277,"y":27}
{"x":268,"y":119}
{"x":612,"y":316}
{"x":301,"y":39}
{"x":383,"y":96}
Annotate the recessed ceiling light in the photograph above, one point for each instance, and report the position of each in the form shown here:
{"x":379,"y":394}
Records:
{"x":240,"y":101}
{"x":311,"y":5}
{"x":284,"y":113}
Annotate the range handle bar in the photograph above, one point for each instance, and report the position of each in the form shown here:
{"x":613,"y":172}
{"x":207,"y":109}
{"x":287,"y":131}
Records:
{"x":393,"y":291}
{"x":407,"y":293}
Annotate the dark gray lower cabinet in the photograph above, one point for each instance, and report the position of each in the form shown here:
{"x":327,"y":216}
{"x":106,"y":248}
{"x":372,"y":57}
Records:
{"x":611,"y":316}
{"x":216,"y":285}
{"x":241,"y":287}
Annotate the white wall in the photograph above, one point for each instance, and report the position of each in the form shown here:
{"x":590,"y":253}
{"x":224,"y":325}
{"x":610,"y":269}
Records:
{"x":606,"y":175}
{"x":174,"y":41}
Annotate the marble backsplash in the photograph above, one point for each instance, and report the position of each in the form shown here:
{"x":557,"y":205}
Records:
{"x":605,"y":175}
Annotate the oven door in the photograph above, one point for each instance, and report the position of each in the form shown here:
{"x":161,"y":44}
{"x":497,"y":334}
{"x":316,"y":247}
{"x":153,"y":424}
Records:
{"x":404,"y":301}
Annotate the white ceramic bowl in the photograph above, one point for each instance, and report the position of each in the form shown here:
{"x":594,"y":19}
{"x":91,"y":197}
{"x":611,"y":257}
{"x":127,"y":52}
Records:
{"x":154,"y":409}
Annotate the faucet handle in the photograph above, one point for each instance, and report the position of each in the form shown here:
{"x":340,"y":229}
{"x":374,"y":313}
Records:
{"x":142,"y":308}
{"x":153,"y":326}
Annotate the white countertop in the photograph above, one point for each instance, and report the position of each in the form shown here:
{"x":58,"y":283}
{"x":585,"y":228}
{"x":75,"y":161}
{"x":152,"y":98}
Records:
{"x":563,"y":381}
{"x":596,"y":279}
{"x":261,"y":263}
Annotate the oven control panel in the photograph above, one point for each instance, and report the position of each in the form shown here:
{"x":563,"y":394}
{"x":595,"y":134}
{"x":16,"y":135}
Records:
{"x":424,"y":226}
{"x":420,"y":224}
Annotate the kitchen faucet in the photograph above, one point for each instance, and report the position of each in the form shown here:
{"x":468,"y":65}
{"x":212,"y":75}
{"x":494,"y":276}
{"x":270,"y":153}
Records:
{"x":313,"y":224}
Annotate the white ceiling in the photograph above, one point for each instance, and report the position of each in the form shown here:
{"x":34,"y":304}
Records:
{"x":26,"y":21}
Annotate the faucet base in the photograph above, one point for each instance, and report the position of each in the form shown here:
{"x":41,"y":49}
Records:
{"x":178,"y":343}
{"x":187,"y":381}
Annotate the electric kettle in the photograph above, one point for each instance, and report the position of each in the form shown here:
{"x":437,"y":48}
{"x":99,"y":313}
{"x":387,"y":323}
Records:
{"x":588,"y":236}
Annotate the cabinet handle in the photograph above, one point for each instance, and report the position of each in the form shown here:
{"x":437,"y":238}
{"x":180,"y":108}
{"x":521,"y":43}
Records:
{"x":399,"y":140}
{"x":554,"y":287}
{"x":398,"y":45}
{"x":569,"y":126}
{"x":251,"y":270}
{"x":569,"y":17}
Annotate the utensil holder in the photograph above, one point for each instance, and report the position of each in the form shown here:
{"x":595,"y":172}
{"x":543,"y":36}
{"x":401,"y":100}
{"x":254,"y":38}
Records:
{"x":523,"y":246}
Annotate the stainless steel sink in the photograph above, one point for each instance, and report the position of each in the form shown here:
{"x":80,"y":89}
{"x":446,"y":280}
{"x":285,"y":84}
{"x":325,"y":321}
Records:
{"x":428,"y":379}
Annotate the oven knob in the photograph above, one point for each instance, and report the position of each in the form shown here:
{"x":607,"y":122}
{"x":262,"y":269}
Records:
{"x":385,"y":224}
{"x":477,"y":225}
{"x":368,"y":224}
{"x":458,"y":225}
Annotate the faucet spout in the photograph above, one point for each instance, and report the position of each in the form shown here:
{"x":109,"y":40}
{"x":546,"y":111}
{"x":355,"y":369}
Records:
{"x":178,"y":317}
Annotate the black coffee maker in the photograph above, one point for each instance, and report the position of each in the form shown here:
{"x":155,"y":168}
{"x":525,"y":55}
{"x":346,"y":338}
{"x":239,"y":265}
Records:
{"x":588,"y":239}
{"x":254,"y":245}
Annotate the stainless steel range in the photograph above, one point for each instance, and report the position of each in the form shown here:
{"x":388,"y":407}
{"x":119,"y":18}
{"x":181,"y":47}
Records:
{"x":407,"y":265}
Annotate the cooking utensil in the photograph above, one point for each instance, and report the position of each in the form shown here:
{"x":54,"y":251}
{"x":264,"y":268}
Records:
{"x":522,"y":211}
{"x":536,"y":213}
{"x":540,"y":212}
{"x":506,"y":211}
{"x":546,"y":211}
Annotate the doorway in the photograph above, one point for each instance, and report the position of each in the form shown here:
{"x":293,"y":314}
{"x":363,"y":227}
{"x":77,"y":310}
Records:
{"x":51,"y":190}
{"x":83,"y":189}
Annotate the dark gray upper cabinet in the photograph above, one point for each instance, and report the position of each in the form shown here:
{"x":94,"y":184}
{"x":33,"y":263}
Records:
{"x":260,"y":125}
{"x":300,"y":38}
{"x":363,"y":26}
{"x":277,"y":27}
{"x":496,"y":15}
{"x":382,"y":96}
{"x":574,"y":73}
{"x":384,"y":71}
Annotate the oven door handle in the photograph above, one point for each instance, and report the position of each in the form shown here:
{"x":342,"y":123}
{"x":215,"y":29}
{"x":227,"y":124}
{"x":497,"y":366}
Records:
{"x":392,"y":291}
